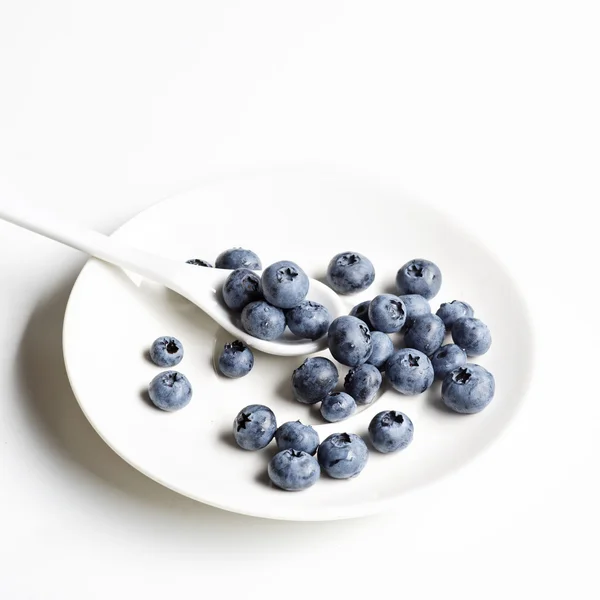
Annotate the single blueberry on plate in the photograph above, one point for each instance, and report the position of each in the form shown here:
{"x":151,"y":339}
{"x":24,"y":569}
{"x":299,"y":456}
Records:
{"x":409,"y":371}
{"x":425,"y":333}
{"x":294,"y":435}
{"x":263,"y":321}
{"x":415,"y":306}
{"x":361,"y":311}
{"x":363,"y":383}
{"x":238,"y":258}
{"x":350,"y":272}
{"x":472,"y":335}
{"x":198,"y":262}
{"x":314,"y":379}
{"x":166,"y":351}
{"x":241,"y":287}
{"x":236,"y":360}
{"x":284,"y":284}
{"x":254,"y":427}
{"x":337,"y":406}
{"x":170,"y":391}
{"x":293,"y":470}
{"x":343,"y":455}
{"x":387,"y":313}
{"x":468,"y":389}
{"x":383,"y":348}
{"x":308,"y":320}
{"x":450,"y":312}
{"x":390,"y":431}
{"x":446,"y":359}
{"x":419,"y":276}
{"x":349,"y":341}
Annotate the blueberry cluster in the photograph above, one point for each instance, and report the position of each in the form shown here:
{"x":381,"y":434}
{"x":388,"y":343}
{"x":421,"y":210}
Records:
{"x":362,"y":342}
{"x":295,"y":466}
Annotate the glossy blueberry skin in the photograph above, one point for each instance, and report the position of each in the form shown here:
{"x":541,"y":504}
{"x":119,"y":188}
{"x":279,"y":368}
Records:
{"x":284,"y":284}
{"x":468,"y":389}
{"x":294,"y":435}
{"x":419,"y":276}
{"x":409,"y":371}
{"x":363,"y":383}
{"x":361,"y":311}
{"x":263,"y":321}
{"x":415,"y":306}
{"x":387,"y":313}
{"x":308,"y":320}
{"x":450,"y":312}
{"x":254,"y":427}
{"x":236,"y":360}
{"x":238,"y":258}
{"x":314,"y":379}
{"x":383,"y":348}
{"x":343,"y":455}
{"x":350,"y":273}
{"x":390,"y":431}
{"x":337,"y":406}
{"x":293,"y":470}
{"x":198,"y":262}
{"x":170,"y":391}
{"x":166,"y":351}
{"x":349,"y":341}
{"x":240,"y":288}
{"x":425,"y":333}
{"x":446,"y":359}
{"x":472,"y":335}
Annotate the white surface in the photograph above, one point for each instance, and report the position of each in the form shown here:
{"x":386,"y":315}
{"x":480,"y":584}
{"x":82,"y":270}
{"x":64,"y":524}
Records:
{"x":486,"y":108}
{"x":193,"y":450}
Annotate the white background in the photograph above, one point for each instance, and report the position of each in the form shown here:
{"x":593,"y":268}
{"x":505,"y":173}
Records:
{"x":488,"y":109}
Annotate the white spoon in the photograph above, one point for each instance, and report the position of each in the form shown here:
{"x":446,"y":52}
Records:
{"x":200,"y":285}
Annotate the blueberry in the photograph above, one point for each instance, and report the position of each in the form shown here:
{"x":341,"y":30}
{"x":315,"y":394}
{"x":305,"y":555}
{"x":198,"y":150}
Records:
{"x":198,"y":262}
{"x":383,"y":348}
{"x":343,"y":455}
{"x":350,"y":272}
{"x":254,"y":427}
{"x":240,"y":288}
{"x":363,"y":383}
{"x":166,"y":352}
{"x":337,"y":406}
{"x":361,"y":311}
{"x":314,"y":379}
{"x":293,"y":470}
{"x":284,"y":284}
{"x":390,"y":431}
{"x":349,"y":341}
{"x":263,"y":321}
{"x":294,"y":435}
{"x":419,"y":276}
{"x":409,"y":371}
{"x":308,"y":320}
{"x":425,"y":333}
{"x":236,"y":360}
{"x":170,"y":391}
{"x":387,"y":313}
{"x":238,"y":258}
{"x":446,"y":359}
{"x":415,"y":306}
{"x":468,"y":389}
{"x":472,"y":335}
{"x":450,"y":312}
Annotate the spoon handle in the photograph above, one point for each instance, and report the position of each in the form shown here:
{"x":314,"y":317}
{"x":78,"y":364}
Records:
{"x":158,"y":269}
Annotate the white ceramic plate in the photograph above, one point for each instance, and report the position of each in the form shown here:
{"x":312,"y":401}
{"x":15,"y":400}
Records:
{"x":112,"y":318}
